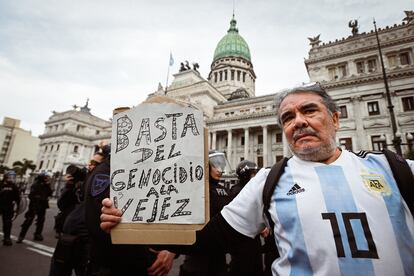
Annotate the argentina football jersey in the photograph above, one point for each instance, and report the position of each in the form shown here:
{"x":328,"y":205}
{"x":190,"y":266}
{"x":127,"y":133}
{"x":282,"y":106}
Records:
{"x":345,"y":218}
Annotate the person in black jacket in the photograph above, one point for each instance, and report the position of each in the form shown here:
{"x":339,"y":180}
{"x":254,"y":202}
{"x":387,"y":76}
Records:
{"x":72,"y":194}
{"x":9,"y":194}
{"x":212,"y":264}
{"x":72,"y":249}
{"x":246,"y":258}
{"x":105,"y":257}
{"x":39,"y":202}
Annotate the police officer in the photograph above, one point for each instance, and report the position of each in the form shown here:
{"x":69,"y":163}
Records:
{"x":109,"y":259}
{"x":246,"y":259}
{"x":72,"y":249}
{"x":39,"y":202}
{"x":211,"y":265}
{"x":9,"y":194}
{"x":72,"y":194}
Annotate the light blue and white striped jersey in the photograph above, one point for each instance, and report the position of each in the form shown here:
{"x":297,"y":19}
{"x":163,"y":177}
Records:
{"x":345,"y":218}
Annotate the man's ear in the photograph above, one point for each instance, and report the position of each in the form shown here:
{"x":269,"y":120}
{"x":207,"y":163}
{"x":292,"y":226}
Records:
{"x":335,"y":119}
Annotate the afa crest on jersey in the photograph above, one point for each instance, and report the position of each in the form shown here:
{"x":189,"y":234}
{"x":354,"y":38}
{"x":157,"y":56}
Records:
{"x":376,"y":183}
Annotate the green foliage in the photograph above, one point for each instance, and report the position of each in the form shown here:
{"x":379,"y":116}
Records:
{"x":21,"y":167}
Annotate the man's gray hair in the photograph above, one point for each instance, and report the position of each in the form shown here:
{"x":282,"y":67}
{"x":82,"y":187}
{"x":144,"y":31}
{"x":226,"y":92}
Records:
{"x":314,"y":88}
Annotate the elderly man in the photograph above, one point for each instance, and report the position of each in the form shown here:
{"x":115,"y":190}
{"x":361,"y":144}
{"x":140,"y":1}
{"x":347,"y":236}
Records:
{"x":327,"y":219}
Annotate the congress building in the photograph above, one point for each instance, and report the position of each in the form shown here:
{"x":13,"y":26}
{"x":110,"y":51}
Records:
{"x":244,"y":125}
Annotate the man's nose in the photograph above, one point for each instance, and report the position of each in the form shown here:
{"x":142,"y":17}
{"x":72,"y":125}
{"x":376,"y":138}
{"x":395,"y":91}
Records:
{"x":300,"y":120}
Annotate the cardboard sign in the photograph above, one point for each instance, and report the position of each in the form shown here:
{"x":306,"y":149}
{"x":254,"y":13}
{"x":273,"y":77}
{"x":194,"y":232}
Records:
{"x":158,"y":173}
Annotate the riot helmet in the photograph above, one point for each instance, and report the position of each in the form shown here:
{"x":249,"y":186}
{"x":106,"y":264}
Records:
{"x":10,"y":176}
{"x":246,"y":169}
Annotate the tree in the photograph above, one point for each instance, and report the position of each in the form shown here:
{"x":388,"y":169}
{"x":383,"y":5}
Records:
{"x":21,"y":167}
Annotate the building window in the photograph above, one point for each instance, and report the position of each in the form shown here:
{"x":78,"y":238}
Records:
{"x":45,"y":148}
{"x":279,"y":137}
{"x":51,"y":148}
{"x":372,"y":65}
{"x":392,"y":60}
{"x":78,"y":127}
{"x":405,"y":58}
{"x":408,"y":103}
{"x":343,"y":112}
{"x":260,"y":161}
{"x":221,"y":75}
{"x":373,"y":108}
{"x":215,"y":76}
{"x":260,"y":139}
{"x":346,"y":142}
{"x":47,"y":164}
{"x":332,"y":73}
{"x":232,"y":74}
{"x":226,"y":142}
{"x":376,"y":142}
{"x":279,"y":157}
{"x":342,"y":71}
{"x":54,"y":164}
{"x":225,"y":75}
{"x":238,"y":75}
{"x":40,"y":164}
{"x":58,"y":146}
{"x":360,"y":67}
{"x":97,"y":132}
{"x":241,"y":159}
{"x":244,"y":76}
{"x":75,"y":149}
{"x":242,"y":141}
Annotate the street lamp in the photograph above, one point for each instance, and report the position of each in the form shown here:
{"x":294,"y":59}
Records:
{"x":396,"y":141}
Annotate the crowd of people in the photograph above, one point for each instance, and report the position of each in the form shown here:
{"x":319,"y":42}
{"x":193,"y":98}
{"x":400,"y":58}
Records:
{"x":330,"y":211}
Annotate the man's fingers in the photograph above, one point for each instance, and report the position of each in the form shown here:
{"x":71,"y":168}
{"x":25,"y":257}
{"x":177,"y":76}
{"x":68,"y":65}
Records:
{"x":107,"y":226}
{"x":107,"y":202}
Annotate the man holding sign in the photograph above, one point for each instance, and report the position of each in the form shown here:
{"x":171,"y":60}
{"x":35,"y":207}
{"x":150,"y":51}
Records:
{"x":334,"y":212}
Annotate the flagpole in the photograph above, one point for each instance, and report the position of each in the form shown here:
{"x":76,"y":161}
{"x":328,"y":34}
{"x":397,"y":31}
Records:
{"x":166,"y":83}
{"x":170,"y":63}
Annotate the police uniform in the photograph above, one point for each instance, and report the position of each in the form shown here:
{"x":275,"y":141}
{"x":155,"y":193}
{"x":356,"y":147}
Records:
{"x":9,"y":193}
{"x":39,"y":202}
{"x":106,"y":258}
{"x":212,"y":264}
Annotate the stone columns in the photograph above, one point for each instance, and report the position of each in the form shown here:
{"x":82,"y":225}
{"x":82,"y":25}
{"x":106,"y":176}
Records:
{"x":246,"y":143}
{"x":265,"y":153}
{"x":214,"y":140}
{"x":229,"y":139}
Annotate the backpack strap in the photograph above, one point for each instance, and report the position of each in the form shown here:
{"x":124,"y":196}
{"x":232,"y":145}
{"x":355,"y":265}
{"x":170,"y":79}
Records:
{"x":270,"y":185}
{"x":403,"y":176}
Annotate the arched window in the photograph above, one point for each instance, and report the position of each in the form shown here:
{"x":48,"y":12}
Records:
{"x":75,"y":149}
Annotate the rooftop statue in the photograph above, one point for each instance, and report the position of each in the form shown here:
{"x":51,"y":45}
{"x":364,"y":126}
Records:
{"x":409,"y":16}
{"x":354,"y":25}
{"x":314,"y":41}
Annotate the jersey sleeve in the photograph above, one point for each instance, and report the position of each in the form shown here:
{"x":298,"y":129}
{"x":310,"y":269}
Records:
{"x":245,"y":212}
{"x":411,"y":164}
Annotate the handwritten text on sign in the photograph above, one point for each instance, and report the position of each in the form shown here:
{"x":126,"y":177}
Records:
{"x":157,"y":164}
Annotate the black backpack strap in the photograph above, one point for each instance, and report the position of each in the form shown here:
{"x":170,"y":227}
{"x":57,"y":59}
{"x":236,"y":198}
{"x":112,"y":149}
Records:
{"x":403,"y":176}
{"x":270,"y":185}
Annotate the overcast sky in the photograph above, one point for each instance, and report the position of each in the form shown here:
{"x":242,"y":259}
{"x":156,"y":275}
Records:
{"x":54,"y":54}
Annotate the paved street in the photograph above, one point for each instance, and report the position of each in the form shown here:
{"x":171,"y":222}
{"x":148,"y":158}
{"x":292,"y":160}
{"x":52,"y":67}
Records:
{"x":33,"y":258}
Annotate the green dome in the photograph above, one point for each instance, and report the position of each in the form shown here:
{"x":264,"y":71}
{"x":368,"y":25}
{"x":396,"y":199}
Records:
{"x":232,"y":44}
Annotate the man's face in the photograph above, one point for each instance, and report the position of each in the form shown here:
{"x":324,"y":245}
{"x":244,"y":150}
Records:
{"x":309,"y":127}
{"x":95,"y":161}
{"x":215,"y":172}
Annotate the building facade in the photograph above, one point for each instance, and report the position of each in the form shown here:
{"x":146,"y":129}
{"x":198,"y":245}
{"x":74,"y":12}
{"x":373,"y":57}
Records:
{"x":244,"y":125}
{"x":16,"y":143}
{"x":70,"y":137}
{"x":351,"y":71}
